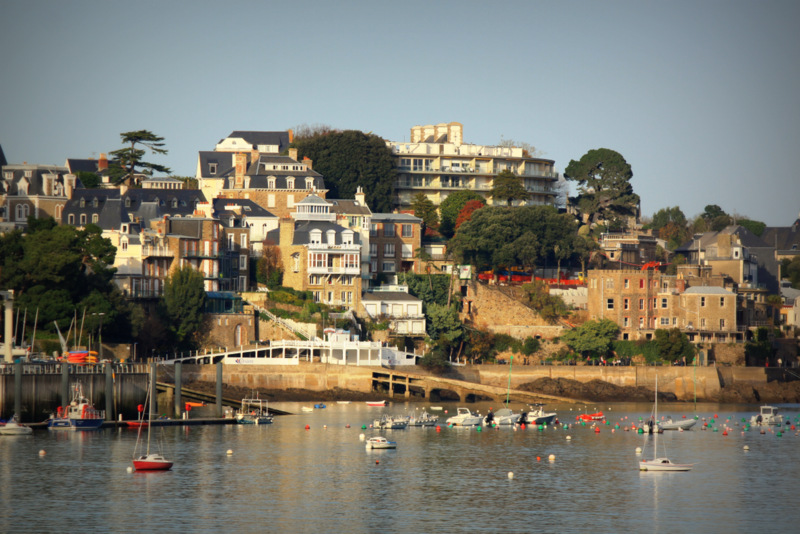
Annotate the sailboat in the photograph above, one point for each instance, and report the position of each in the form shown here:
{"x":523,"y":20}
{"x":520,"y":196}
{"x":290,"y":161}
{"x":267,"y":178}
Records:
{"x":149,"y":461}
{"x":661,"y":463}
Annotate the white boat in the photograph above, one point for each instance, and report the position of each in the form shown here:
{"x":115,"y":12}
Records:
{"x":379,"y":442}
{"x":13,"y":428}
{"x":769,"y":416}
{"x":681,"y":424}
{"x":255,"y":411}
{"x":423,"y":419}
{"x":537,"y":416}
{"x":342,"y":402}
{"x":503,"y":416}
{"x":149,"y":461}
{"x":307,"y":409}
{"x":661,"y":463}
{"x":464,"y":417}
{"x":390,"y":423}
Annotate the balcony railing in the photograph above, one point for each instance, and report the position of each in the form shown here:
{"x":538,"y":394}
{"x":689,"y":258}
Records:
{"x":150,"y":251}
{"x":334,"y":270}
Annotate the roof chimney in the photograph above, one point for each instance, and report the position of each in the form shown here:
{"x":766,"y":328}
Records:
{"x":102,"y":163}
{"x":293,"y":153}
{"x":291,"y":135}
{"x":307,"y":162}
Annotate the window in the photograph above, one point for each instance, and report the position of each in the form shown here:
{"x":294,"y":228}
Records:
{"x":95,"y":218}
{"x":627,"y":283}
{"x":626,"y":304}
{"x":271,"y":182}
{"x":702,"y":301}
{"x":626,"y":322}
{"x":388,"y":250}
{"x":388,"y":230}
{"x":271,"y":200}
{"x":610,"y":304}
{"x":641,"y":304}
{"x":71,"y":218}
{"x":212,"y":168}
{"x":373,"y":249}
{"x":641,"y":283}
{"x":373,"y":229}
{"x":83,"y":219}
{"x":408,"y":251}
{"x":663,"y":303}
{"x":83,"y":203}
{"x":290,"y":183}
{"x":309,"y":183}
{"x":243,"y":261}
{"x":722,"y":302}
{"x":610,"y":283}
{"x":296,"y":262}
{"x":641,"y":322}
{"x":243,"y":240}
{"x":665,"y":321}
{"x":655,"y":303}
{"x":388,"y":266}
{"x":702,"y":322}
{"x":124,"y":244}
{"x":722,"y":324}
{"x":408,"y":230}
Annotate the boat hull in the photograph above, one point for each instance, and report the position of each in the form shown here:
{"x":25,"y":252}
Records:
{"x":64,"y":423}
{"x":152,"y":462}
{"x":663,"y":465}
{"x":13,"y":429}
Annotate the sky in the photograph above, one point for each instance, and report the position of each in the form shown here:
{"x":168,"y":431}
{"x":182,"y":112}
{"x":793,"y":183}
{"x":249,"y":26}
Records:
{"x":700,"y":97}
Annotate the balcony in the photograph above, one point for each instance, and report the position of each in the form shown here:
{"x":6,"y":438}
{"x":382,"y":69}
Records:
{"x":325,"y":247}
{"x":355,"y":271}
{"x":149,"y":251}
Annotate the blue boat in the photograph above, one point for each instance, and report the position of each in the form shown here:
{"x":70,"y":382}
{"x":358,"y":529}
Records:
{"x":319,"y":406}
{"x":79,"y":415}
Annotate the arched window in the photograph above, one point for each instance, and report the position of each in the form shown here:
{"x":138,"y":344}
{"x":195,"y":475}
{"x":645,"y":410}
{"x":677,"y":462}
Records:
{"x":290,"y":183}
{"x":271,"y":182}
{"x":95,"y":218}
{"x":83,"y":219}
{"x":237,"y":335}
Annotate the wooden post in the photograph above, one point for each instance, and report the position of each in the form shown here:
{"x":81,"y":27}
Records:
{"x":219,"y":389}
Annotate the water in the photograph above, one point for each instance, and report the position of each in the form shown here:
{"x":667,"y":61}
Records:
{"x":283,"y":478}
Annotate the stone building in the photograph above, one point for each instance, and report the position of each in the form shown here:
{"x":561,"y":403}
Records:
{"x":37,"y":190}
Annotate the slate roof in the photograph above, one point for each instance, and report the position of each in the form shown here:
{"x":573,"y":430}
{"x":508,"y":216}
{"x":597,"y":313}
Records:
{"x":379,"y":296}
{"x":708,"y":290}
{"x":395,"y":217}
{"x":36,"y":182}
{"x":747,"y":238}
{"x":783,"y":238}
{"x":262,"y":138}
{"x":302,"y":230}
{"x":3,"y":161}
{"x":348,"y":207}
{"x":249,"y":208}
{"x":224,"y":161}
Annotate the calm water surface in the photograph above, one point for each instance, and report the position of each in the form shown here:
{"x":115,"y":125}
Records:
{"x":284,"y":478}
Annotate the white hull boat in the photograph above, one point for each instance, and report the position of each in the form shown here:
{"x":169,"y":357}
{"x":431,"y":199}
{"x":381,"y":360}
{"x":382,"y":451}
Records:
{"x":769,"y":416}
{"x":504,"y":416}
{"x":660,"y":464}
{"x":13,"y":428}
{"x":683,"y":424}
{"x":464,"y":417}
{"x":379,"y":442}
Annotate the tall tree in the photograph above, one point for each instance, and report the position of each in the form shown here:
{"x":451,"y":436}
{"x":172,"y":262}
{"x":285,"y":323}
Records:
{"x":128,"y":161}
{"x":466,"y":212}
{"x":508,"y":187}
{"x":349,"y":159}
{"x":450,"y":208}
{"x":605,"y":192}
{"x":673,"y":345}
{"x":592,"y":337}
{"x":184,"y":300}
{"x":425,"y":209}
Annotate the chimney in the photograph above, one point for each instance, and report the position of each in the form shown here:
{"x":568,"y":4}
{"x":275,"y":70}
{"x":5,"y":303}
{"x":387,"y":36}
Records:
{"x":286,"y":232}
{"x":102,"y":163}
{"x":308,"y":162}
{"x":291,"y":135}
{"x":293,"y":153}
{"x":360,"y":196}
{"x":240,"y":160}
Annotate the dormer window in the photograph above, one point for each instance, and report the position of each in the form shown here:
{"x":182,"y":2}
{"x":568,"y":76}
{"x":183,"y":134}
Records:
{"x":309,"y":183}
{"x":331,"y":234}
{"x":174,"y":203}
{"x":212,"y":168}
{"x":271,"y":182}
{"x":127,"y":202}
{"x":347,"y":238}
{"x":290,"y":183}
{"x":83,"y":203}
{"x":315,"y":237}
{"x":95,"y":202}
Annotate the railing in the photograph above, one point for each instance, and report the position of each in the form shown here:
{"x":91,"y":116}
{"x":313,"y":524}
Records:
{"x":149,"y":250}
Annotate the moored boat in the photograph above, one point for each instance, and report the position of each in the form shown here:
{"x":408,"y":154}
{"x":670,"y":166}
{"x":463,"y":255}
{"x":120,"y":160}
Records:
{"x":537,"y":416}
{"x":423,"y":419}
{"x":391,"y":423}
{"x":682,"y":424}
{"x":79,"y":415}
{"x":503,"y":416}
{"x":376,"y":403}
{"x":661,"y":463}
{"x":379,"y":442}
{"x":768,"y":416}
{"x":13,"y":428}
{"x":254,"y":411}
{"x":464,"y":417}
{"x":149,"y":461}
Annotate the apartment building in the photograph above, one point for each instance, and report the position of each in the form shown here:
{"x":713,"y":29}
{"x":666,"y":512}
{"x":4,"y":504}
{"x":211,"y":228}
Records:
{"x":37,"y":190}
{"x":702,"y":305}
{"x":401,"y":309}
{"x":394,"y":239}
{"x":436,"y":162}
{"x":319,"y":255}
{"x":356,"y":215}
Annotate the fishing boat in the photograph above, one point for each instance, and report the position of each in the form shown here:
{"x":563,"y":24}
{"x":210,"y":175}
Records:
{"x":661,"y":463}
{"x":379,"y":442}
{"x":79,"y":415}
{"x":769,"y":416}
{"x":13,"y":428}
{"x":149,"y":461}
{"x":464,"y":417}
{"x":255,"y":411}
{"x":423,"y":419}
{"x":503,"y":416}
{"x":390,"y":423}
{"x":537,"y":416}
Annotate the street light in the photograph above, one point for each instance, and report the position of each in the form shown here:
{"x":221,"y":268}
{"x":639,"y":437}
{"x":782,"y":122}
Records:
{"x":100,"y":335}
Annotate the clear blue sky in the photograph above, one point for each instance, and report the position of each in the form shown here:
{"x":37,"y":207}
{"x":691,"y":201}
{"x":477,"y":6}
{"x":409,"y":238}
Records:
{"x":701,"y":97}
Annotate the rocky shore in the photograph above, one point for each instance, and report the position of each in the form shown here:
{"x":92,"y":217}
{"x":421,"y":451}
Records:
{"x":592,"y":391}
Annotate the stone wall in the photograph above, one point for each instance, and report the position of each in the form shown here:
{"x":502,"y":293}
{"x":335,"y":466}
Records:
{"x":728,"y":353}
{"x":311,"y":376}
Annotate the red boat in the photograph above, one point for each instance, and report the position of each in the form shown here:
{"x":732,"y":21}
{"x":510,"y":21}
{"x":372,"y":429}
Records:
{"x":137,"y":424}
{"x":376,"y":403}
{"x":151,"y":462}
{"x":590,"y":417}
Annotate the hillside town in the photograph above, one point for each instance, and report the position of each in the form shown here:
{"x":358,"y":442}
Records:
{"x":455,"y":261}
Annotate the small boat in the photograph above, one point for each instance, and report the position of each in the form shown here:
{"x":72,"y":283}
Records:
{"x":436,"y":408}
{"x":255,"y":411}
{"x":379,"y":442}
{"x":537,"y":416}
{"x":319,"y":406}
{"x":136,"y":424}
{"x":590,"y":417}
{"x":376,"y":403}
{"x":79,"y":415}
{"x":769,"y":416}
{"x":342,"y":402}
{"x":662,"y":463}
{"x":307,"y":409}
{"x":390,"y":423}
{"x":149,"y":461}
{"x":13,"y":428}
{"x":423,"y":419}
{"x":464,"y":417}
{"x":683,"y":424}
{"x":503,"y":416}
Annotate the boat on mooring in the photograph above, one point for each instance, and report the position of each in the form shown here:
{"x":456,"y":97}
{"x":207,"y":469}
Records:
{"x":13,"y":428}
{"x":465,"y":417}
{"x":379,"y":442}
{"x":537,"y":416}
{"x":255,"y":411}
{"x":769,"y":416}
{"x":80,"y":414}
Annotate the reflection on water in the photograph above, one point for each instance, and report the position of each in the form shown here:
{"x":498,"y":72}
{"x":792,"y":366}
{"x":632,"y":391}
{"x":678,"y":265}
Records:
{"x":283,"y":478}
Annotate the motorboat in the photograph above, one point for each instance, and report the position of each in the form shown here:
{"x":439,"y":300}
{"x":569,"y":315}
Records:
{"x":376,"y":403}
{"x":769,"y":416}
{"x":586,"y":417}
{"x":537,"y":416}
{"x":464,"y":417}
{"x":390,"y":423}
{"x":79,"y":415}
{"x":423,"y":419}
{"x":503,"y":416}
{"x":379,"y":442}
{"x":13,"y":428}
{"x":255,"y":411}
{"x":662,"y":463}
{"x":307,"y":409}
{"x":681,"y":424}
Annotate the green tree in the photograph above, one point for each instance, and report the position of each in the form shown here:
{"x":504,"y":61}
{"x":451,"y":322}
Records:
{"x":184,"y":301}
{"x":665,"y":216}
{"x":443,"y":324}
{"x":592,"y":337}
{"x":791,"y":271}
{"x":269,"y":267}
{"x":605,"y":192}
{"x":757,"y":227}
{"x":549,"y":307}
{"x":452,"y":206}
{"x":425,"y":209}
{"x":673,"y":345}
{"x":349,"y":159}
{"x":508,"y":187}
{"x":128,"y":161}
{"x":90,"y":180}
